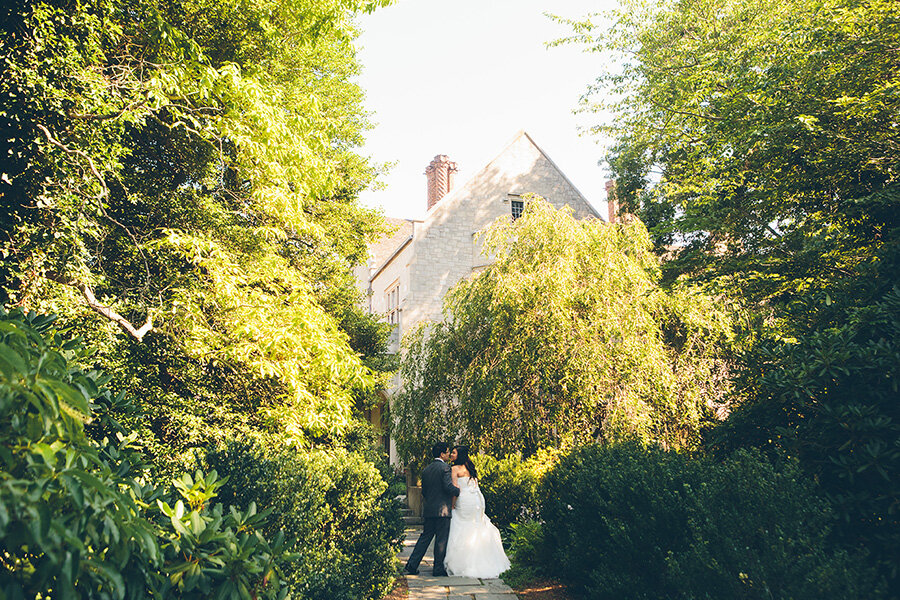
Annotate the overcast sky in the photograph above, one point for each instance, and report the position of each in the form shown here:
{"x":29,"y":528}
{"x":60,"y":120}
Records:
{"x":461,"y":78}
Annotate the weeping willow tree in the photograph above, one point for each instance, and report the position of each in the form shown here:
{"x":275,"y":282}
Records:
{"x":565,"y":339}
{"x":180,"y":185}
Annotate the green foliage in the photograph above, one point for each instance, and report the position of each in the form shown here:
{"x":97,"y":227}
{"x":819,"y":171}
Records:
{"x":565,"y":339}
{"x":211,"y":551}
{"x":65,"y":523}
{"x":830,"y":400}
{"x":625,"y":521}
{"x":526,"y":553}
{"x":772,"y":125}
{"x":191,"y":164}
{"x":347,"y":530}
{"x":78,"y":517}
{"x":510,"y":485}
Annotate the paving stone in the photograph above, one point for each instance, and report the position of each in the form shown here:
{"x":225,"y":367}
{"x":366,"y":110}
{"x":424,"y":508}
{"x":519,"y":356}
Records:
{"x":462,"y":582}
{"x":480,"y":589}
{"x":429,"y":594}
{"x":420,"y":595}
{"x":422,"y":580}
{"x":425,"y":586}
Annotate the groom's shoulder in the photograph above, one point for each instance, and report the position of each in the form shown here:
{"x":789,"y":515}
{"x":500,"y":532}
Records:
{"x":436,"y":464}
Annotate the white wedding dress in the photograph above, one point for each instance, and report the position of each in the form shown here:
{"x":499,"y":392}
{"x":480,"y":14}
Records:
{"x":474,"y":548}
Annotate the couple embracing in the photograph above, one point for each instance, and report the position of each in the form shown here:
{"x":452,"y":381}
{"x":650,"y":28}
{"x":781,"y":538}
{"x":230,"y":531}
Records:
{"x":466,"y":543}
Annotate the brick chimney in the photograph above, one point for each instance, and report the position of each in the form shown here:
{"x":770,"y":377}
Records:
{"x":440,"y":172}
{"x":611,"y":203}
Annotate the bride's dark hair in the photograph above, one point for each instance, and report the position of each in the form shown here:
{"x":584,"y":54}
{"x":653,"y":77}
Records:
{"x":462,"y":458}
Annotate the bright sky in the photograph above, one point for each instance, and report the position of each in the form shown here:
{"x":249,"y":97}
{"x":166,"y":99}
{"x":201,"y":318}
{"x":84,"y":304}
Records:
{"x":461,"y":78}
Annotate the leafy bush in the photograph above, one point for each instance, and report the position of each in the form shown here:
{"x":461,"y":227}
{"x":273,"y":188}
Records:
{"x":78,"y":517}
{"x":830,"y":399}
{"x":333,"y":503}
{"x":612,"y":514}
{"x":527,"y":553}
{"x":626,"y":521}
{"x":510,"y":485}
{"x":65,"y":524}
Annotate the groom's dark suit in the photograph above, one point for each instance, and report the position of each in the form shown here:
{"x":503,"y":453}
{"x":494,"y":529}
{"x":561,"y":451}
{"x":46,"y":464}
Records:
{"x":437,"y":493}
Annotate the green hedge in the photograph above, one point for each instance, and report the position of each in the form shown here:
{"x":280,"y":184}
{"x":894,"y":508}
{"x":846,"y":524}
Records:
{"x":333,"y":503}
{"x":628,"y":522}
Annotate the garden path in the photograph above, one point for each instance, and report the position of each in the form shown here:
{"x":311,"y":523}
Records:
{"x":426,"y":587}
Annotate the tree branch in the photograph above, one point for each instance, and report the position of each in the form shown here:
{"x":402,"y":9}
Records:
{"x":104,"y":191}
{"x":103,"y":310}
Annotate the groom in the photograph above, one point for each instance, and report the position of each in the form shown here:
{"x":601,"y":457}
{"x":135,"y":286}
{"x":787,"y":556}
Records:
{"x":438,"y":492}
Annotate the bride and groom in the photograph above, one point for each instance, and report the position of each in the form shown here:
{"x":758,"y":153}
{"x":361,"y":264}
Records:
{"x":466,"y":543}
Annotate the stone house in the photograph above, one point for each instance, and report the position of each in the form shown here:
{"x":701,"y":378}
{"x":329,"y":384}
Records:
{"x":411,"y":270}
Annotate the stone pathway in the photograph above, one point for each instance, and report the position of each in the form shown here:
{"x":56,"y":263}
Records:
{"x":426,"y":587}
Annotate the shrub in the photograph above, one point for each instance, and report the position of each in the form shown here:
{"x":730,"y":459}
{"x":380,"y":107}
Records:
{"x":626,"y":521}
{"x":612,"y":514}
{"x":758,"y":530}
{"x":78,"y":516}
{"x":510,"y":485}
{"x":527,"y":553}
{"x":333,"y":503}
{"x":65,"y":524}
{"x":830,"y":399}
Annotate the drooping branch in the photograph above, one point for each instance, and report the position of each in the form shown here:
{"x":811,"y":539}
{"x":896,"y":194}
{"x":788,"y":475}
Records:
{"x":104,"y":191}
{"x":103,"y":310}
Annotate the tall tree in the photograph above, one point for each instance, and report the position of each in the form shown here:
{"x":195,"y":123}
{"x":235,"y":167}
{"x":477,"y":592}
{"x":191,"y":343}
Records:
{"x":184,"y":171}
{"x":758,"y":136}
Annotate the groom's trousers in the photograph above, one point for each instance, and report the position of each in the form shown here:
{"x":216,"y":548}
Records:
{"x":439,"y":529}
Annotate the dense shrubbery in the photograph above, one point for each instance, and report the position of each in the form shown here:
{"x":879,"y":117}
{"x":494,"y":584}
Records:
{"x":831,"y":400}
{"x":78,"y":516}
{"x":333,"y":503}
{"x":526,"y":549}
{"x":81,"y":515}
{"x":624,"y":521}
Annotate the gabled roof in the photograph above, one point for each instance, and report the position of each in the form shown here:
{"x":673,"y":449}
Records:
{"x":486,"y":168}
{"x":561,"y":172}
{"x":387,"y":247}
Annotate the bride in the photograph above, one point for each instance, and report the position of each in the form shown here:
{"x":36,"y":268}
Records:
{"x":474,"y":548}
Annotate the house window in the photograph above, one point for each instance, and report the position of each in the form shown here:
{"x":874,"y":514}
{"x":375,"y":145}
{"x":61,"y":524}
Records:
{"x":392,"y":297}
{"x":516,"y":207}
